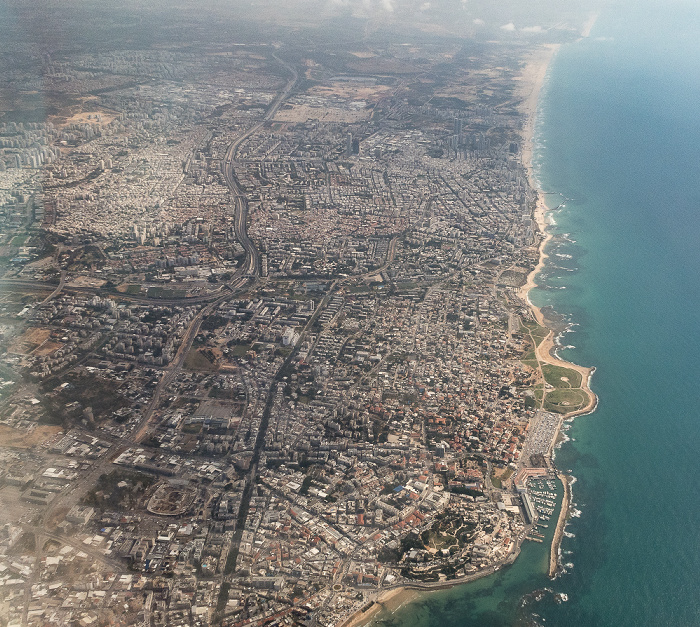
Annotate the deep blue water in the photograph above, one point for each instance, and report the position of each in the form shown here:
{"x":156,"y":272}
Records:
{"x":619,"y":137}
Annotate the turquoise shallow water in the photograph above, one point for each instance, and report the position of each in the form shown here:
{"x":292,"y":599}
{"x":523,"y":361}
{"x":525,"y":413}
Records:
{"x":619,"y":138}
{"x":495,"y":601}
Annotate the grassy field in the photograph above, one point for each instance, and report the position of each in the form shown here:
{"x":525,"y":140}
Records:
{"x":239,"y":350}
{"x":19,"y":240}
{"x":560,"y":377}
{"x":562,"y":401}
{"x":196,"y":360}
{"x":538,"y":332}
{"x":567,"y":394}
{"x":159,"y":292}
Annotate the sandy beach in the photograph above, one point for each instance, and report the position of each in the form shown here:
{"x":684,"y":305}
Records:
{"x":533,"y":78}
{"x":545,"y":352}
{"x":531,"y":82}
{"x":588,"y":26}
{"x":390,"y":600}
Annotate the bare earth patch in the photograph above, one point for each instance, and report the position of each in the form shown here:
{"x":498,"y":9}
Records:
{"x":29,"y":340}
{"x":15,"y":438}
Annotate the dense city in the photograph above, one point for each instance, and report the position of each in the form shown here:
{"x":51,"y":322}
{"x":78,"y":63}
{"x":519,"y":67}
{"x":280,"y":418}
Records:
{"x":264,"y":350}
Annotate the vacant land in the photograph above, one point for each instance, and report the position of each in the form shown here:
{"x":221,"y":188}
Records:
{"x":15,"y":438}
{"x":29,"y":340}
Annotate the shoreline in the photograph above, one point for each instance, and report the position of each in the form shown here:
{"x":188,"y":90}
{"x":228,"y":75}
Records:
{"x":533,"y":77}
{"x":390,"y":600}
{"x":590,"y":23}
{"x":393,"y":599}
{"x":554,"y":565}
{"x":545,"y":352}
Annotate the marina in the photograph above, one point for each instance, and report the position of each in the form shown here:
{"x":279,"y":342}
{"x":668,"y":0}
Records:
{"x":543,"y":495}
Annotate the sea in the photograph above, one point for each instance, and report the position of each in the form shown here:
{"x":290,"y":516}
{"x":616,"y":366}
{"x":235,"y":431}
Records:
{"x":617,"y":152}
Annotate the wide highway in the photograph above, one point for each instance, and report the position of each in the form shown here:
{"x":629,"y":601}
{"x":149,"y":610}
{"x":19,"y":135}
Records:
{"x":251,"y":266}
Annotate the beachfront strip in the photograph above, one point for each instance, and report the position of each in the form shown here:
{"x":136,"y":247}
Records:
{"x":272,"y":356}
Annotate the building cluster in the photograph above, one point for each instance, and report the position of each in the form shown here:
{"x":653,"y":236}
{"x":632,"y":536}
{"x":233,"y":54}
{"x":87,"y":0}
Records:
{"x":268,"y":339}
{"x":68,"y":328}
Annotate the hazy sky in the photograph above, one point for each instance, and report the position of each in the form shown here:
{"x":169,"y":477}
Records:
{"x":486,"y":18}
